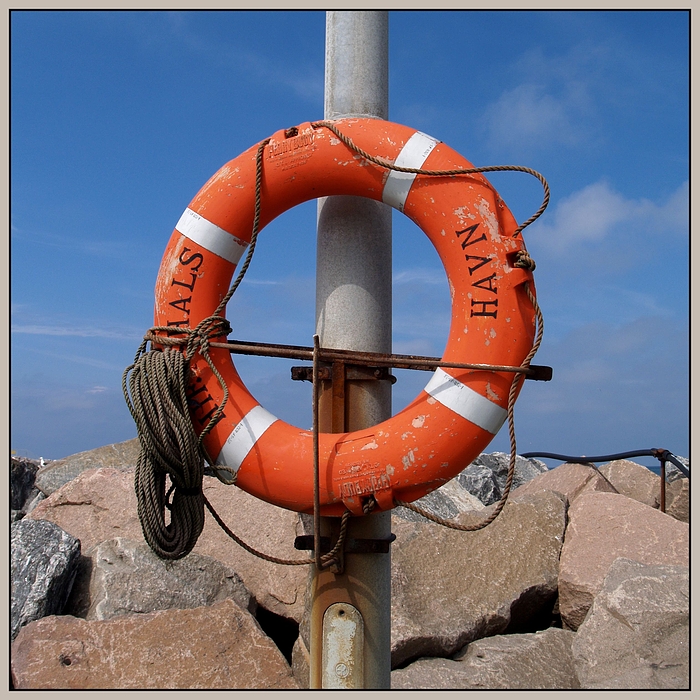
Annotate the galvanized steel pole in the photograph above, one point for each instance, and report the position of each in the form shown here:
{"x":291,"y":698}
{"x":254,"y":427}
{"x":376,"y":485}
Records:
{"x":351,"y":642}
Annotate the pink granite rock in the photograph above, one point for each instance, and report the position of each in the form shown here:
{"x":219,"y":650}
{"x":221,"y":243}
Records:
{"x":678,"y":499}
{"x":219,"y":646}
{"x":98,"y":505}
{"x":570,"y":480}
{"x":634,"y":481}
{"x":603,"y":527}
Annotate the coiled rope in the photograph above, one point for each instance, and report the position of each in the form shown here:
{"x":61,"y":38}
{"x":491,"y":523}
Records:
{"x":171,"y":463}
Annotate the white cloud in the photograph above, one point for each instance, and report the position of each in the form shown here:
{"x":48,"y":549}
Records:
{"x":530,"y":115}
{"x":421,"y":276}
{"x":598,"y":212}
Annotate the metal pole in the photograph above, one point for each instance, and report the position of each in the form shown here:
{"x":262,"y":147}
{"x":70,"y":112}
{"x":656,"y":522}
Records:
{"x":351,"y":642}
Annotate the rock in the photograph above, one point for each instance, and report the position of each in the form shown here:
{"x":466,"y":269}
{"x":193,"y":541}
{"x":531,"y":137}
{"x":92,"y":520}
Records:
{"x":451,"y":587}
{"x":525,"y":468}
{"x":540,"y":660}
{"x":100,"y":504}
{"x":486,"y":476}
{"x":678,"y":499}
{"x":673,"y":472}
{"x":269,"y":529}
{"x":43,"y":566}
{"x":301,"y":663}
{"x":480,"y":482}
{"x":121,"y":455}
{"x":446,"y":502}
{"x":570,"y":480}
{"x":636,"y":634}
{"x":633,"y":480}
{"x":218,"y":646}
{"x":36,"y":497}
{"x":603,"y":527}
{"x":22,"y":478}
{"x":128,"y":578}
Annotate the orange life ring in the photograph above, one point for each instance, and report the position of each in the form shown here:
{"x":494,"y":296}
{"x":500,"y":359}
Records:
{"x":493,"y":322}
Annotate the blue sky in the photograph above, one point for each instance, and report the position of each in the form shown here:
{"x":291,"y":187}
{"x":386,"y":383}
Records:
{"x":118,"y":118}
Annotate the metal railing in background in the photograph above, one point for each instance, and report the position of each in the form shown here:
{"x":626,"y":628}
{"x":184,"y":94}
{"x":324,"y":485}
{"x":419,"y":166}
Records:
{"x":662,"y":455}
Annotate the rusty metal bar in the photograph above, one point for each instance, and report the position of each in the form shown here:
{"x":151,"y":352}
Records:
{"x":338,"y":422}
{"x":317,"y":498}
{"x":374,"y":359}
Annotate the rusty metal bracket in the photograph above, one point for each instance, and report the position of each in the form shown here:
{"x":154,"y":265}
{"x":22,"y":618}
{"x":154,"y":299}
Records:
{"x":353,"y":373}
{"x":374,"y":360}
{"x":351,"y":546}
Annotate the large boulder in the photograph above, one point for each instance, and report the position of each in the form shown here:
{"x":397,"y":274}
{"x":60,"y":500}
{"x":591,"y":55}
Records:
{"x":214,"y":647}
{"x":451,"y":587}
{"x":603,"y":527}
{"x":570,"y":480}
{"x":100,"y":504}
{"x":42,"y":569}
{"x":633,"y":480}
{"x":120,"y":455}
{"x":533,"y":661}
{"x":636,"y":634}
{"x":128,"y":578}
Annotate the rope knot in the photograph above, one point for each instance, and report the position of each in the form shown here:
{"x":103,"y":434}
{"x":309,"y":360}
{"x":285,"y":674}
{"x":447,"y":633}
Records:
{"x":525,"y":261}
{"x":205,"y":331}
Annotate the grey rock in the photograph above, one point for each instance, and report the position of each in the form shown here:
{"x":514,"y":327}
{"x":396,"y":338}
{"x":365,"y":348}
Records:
{"x":636,"y":634}
{"x":35,"y":497}
{"x":126,"y":577}
{"x":673,"y":472}
{"x":486,"y":476}
{"x":22,"y":477}
{"x":452,"y":587}
{"x":480,"y":481}
{"x":120,"y":455}
{"x":43,"y":567}
{"x":446,"y":502}
{"x":534,"y":661}
{"x":498,"y":463}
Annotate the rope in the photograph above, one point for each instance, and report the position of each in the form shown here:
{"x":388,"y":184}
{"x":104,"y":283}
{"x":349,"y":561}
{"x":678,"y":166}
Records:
{"x":171,"y":451}
{"x":441,"y":173}
{"x":511,"y":433}
{"x":173,"y":457}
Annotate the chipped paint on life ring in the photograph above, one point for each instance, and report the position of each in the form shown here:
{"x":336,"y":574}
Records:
{"x":493,"y":322}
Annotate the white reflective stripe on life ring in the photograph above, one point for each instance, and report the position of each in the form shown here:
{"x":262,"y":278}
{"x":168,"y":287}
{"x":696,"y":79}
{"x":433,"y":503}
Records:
{"x":466,"y":402}
{"x":243,"y":437}
{"x":210,"y":236}
{"x":414,"y":153}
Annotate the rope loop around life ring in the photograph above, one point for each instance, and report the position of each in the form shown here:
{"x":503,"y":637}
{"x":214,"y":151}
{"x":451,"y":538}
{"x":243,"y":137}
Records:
{"x":493,"y":319}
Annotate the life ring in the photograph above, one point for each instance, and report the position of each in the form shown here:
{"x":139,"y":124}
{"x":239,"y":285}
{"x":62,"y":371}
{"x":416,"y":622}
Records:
{"x":493,"y":322}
